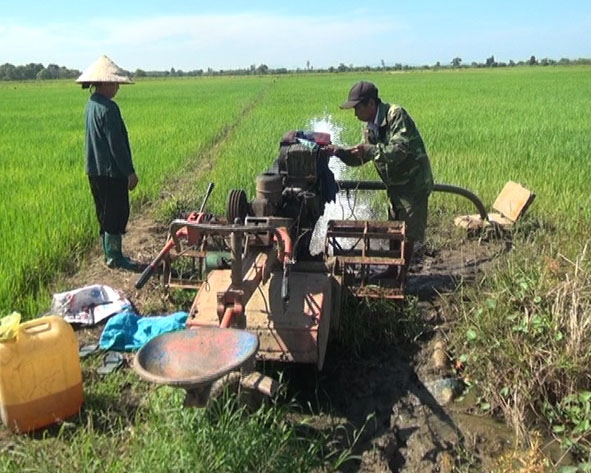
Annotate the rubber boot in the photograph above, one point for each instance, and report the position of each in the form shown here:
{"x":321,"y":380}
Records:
{"x":114,"y":254}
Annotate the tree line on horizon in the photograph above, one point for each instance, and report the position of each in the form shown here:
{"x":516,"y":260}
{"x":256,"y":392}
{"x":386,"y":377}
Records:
{"x":36,"y":71}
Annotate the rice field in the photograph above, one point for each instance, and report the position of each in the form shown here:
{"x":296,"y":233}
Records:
{"x":482,"y":128}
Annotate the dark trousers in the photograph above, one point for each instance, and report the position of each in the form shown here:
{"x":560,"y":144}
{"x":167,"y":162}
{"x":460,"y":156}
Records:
{"x":111,"y":202}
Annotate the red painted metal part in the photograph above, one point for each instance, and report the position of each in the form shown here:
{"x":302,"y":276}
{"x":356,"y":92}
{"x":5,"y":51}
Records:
{"x":231,"y":313}
{"x":286,"y":250}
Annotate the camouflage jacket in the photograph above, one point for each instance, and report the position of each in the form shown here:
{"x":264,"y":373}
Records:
{"x":399,"y":154}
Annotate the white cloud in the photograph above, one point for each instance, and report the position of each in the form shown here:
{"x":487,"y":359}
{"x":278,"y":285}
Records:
{"x":193,"y":42}
{"x":239,"y":40}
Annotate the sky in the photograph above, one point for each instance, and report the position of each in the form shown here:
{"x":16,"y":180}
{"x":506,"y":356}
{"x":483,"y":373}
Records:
{"x":231,"y":34}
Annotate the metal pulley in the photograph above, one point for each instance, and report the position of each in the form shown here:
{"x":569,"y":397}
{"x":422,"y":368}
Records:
{"x":237,"y":208}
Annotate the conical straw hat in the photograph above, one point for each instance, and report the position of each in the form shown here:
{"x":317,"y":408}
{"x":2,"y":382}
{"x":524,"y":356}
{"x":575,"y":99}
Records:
{"x":103,"y":70}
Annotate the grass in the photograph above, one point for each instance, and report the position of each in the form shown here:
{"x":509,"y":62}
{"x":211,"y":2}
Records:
{"x":481,"y":128}
{"x":154,"y":433}
{"x":526,"y":321}
{"x":372,"y":323}
{"x":48,"y":227}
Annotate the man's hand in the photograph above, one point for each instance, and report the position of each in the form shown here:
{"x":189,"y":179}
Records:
{"x":361,"y":152}
{"x":344,"y":154}
{"x":331,"y":150}
{"x":132,"y":181}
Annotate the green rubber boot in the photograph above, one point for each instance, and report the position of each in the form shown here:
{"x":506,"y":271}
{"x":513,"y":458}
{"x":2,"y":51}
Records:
{"x":114,"y":255}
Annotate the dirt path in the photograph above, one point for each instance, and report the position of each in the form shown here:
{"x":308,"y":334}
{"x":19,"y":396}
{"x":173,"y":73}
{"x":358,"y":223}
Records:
{"x":396,"y":399}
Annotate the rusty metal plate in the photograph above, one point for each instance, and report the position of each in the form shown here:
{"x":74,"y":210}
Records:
{"x":292,"y":332}
{"x":199,"y":356}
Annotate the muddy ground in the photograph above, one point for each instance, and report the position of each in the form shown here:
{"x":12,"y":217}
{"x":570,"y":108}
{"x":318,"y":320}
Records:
{"x":402,"y":400}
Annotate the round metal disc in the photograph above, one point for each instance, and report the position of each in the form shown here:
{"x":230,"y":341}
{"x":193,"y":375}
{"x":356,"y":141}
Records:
{"x":237,"y":206}
{"x":195,"y":357}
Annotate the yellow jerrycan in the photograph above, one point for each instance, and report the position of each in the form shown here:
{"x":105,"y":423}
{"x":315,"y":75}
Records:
{"x":40,"y":375}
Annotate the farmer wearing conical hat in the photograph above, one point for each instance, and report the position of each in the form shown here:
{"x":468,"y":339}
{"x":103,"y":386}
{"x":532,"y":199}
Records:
{"x":109,"y":164}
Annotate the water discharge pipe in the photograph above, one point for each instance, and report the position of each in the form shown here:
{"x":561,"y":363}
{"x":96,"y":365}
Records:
{"x":378,"y":185}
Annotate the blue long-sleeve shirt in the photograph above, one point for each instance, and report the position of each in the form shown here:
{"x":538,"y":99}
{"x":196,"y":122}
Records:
{"x":107,"y":144}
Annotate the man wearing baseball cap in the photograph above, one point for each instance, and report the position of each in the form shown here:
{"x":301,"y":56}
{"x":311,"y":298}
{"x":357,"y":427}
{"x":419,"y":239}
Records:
{"x":394,"y":144}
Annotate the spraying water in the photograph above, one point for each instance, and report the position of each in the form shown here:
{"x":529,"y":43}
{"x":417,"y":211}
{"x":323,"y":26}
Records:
{"x":345,"y":206}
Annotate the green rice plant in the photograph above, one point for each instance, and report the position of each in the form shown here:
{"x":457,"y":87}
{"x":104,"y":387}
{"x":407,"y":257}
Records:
{"x":291,"y":104}
{"x":481,"y":128}
{"x":46,"y":212}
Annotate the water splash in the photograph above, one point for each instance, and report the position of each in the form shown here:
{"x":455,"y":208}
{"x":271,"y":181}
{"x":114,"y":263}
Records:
{"x":347,"y":206}
{"x":327,"y":125}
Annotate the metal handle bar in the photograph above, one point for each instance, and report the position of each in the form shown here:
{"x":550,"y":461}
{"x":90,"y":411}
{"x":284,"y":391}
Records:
{"x":227,"y":229}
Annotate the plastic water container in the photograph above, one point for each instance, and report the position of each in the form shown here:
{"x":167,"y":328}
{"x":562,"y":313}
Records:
{"x":40,"y":375}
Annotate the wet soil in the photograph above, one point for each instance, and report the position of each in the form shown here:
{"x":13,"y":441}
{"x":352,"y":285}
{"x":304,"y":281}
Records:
{"x":400,"y":403}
